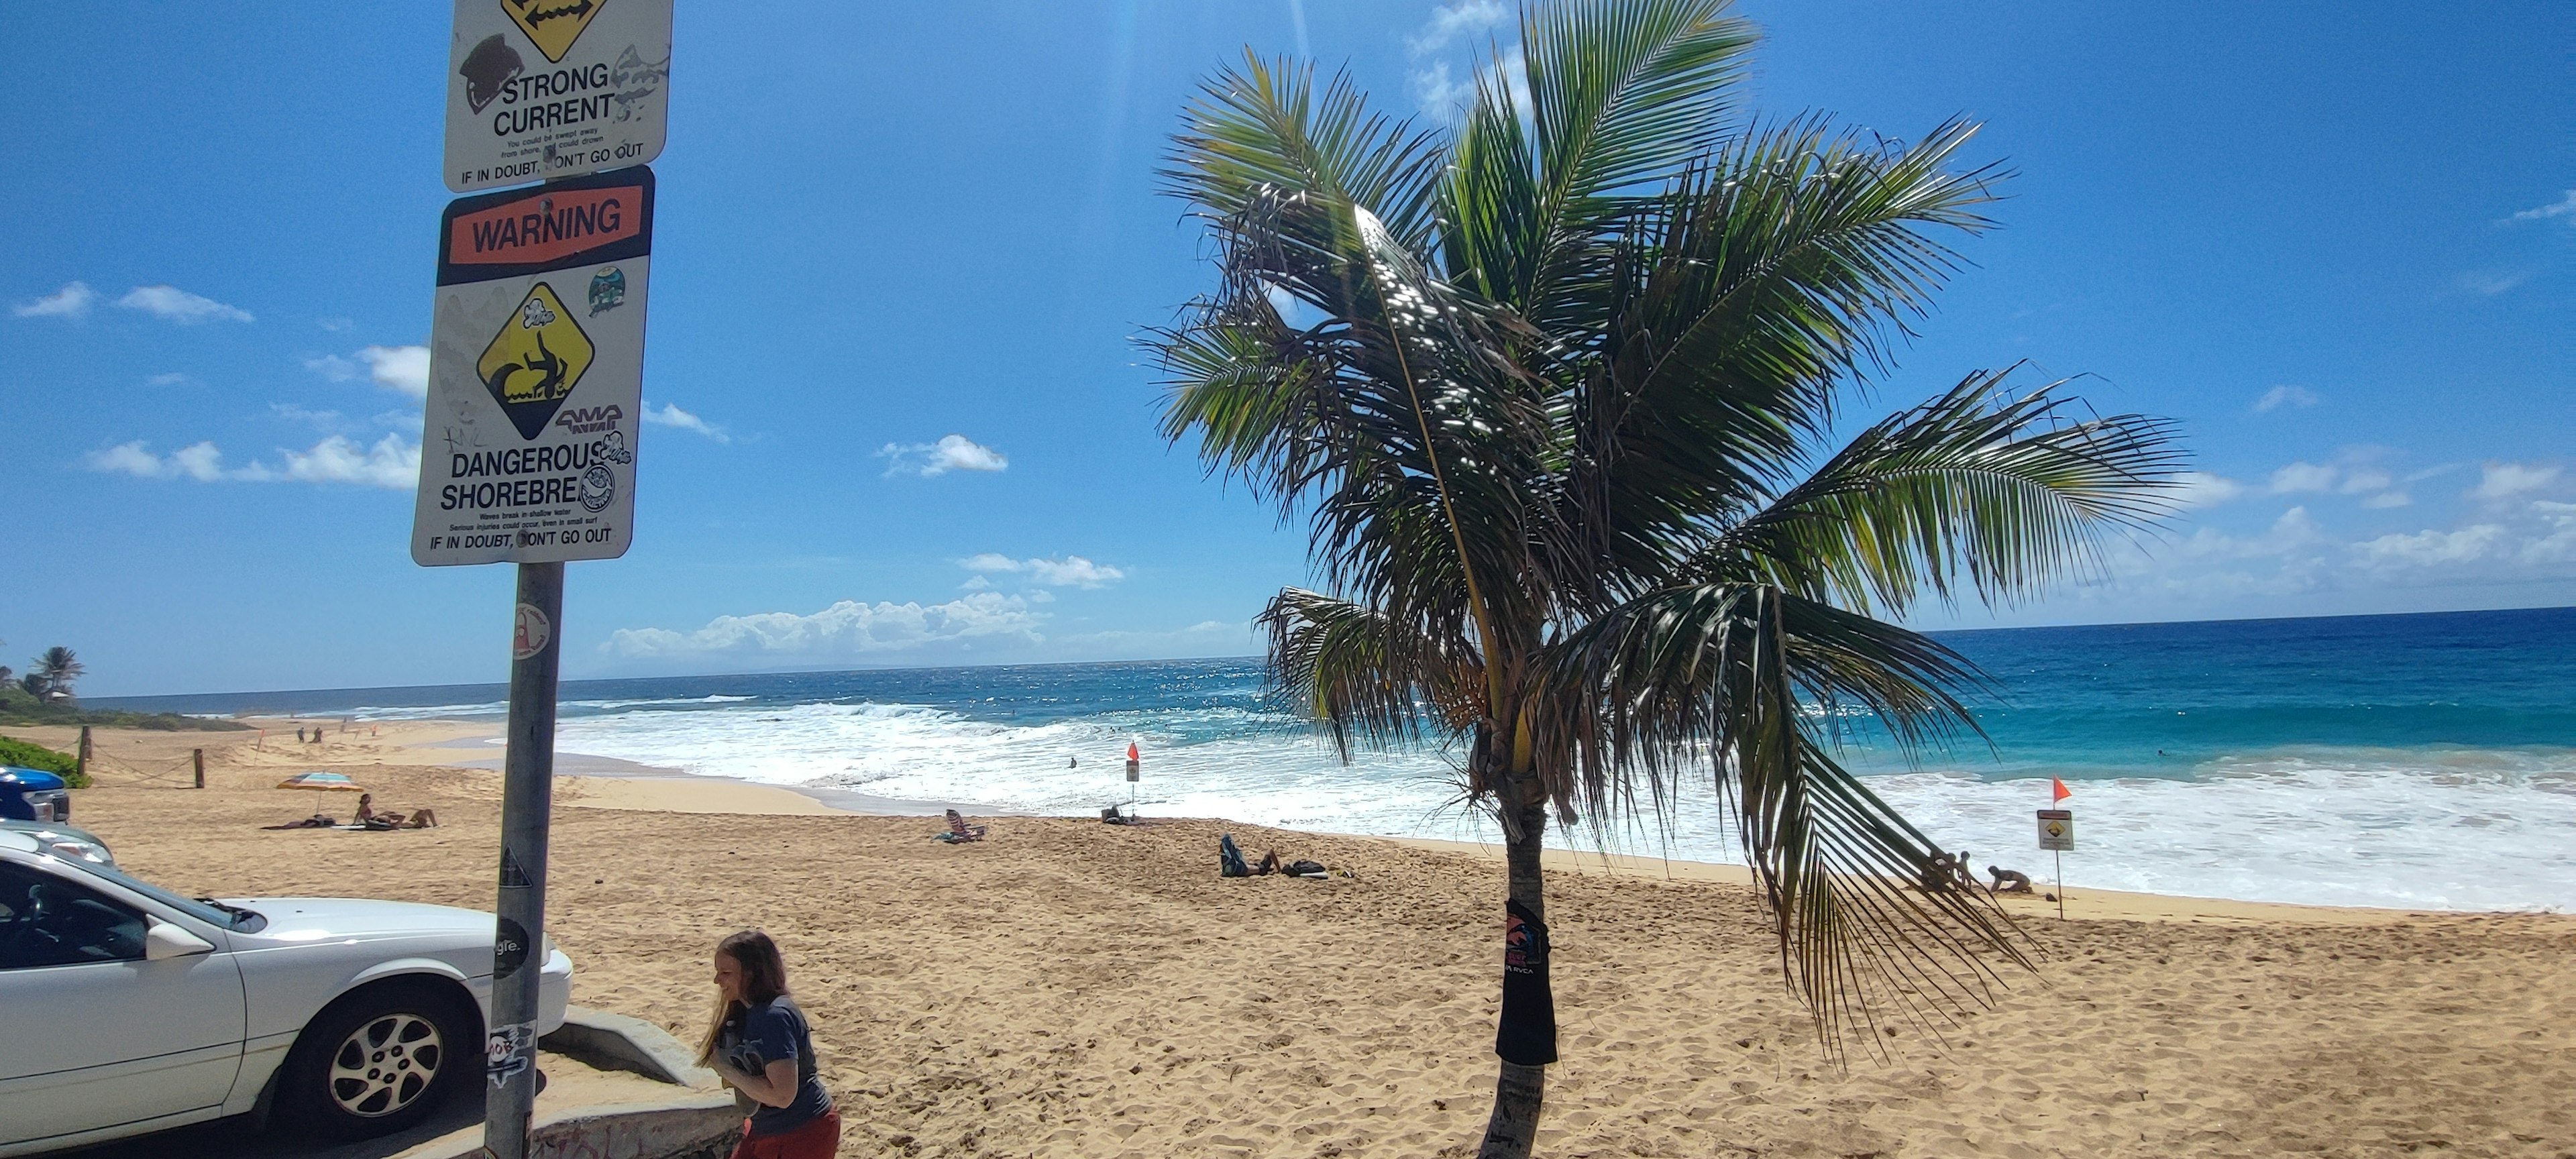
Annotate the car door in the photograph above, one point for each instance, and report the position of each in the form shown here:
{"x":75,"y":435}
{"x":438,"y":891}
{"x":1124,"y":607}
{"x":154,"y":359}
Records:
{"x":97,"y":1035}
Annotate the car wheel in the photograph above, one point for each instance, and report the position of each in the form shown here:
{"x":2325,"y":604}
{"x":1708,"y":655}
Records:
{"x":380,"y":1060}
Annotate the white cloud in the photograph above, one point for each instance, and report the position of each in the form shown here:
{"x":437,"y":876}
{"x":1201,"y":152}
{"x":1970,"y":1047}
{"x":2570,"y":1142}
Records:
{"x":2429,"y":548}
{"x":173,"y":378}
{"x":325,"y":419}
{"x":1447,"y":98}
{"x":72,"y":301}
{"x":1460,"y":18}
{"x":391,"y":463}
{"x":673,"y":416}
{"x":1072,"y":571}
{"x":950,"y":453}
{"x":332,"y":366}
{"x":846,"y":630}
{"x":2302,"y":476}
{"x":402,"y":368}
{"x":2202,"y":489}
{"x":2505,"y":480}
{"x":2489,"y":283}
{"x":2563,"y":207}
{"x":2388,"y":499}
{"x":126,"y":459}
{"x":2285,"y":395}
{"x":177,"y":305}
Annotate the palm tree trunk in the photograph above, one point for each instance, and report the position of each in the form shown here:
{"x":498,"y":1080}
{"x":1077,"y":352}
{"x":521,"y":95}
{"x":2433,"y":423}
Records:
{"x":1521,"y":1089}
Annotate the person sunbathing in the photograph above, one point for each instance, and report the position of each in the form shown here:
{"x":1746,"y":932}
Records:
{"x":392,"y":818}
{"x":316,"y":821}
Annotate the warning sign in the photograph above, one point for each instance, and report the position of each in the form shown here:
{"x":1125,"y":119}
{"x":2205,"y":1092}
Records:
{"x":544,"y":89}
{"x":536,"y":374}
{"x":551,"y":25}
{"x":2057,"y":830}
{"x":527,"y":377}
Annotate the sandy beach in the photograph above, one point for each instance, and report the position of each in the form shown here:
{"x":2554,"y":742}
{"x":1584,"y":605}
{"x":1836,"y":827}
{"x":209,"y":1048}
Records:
{"x":1072,"y":989}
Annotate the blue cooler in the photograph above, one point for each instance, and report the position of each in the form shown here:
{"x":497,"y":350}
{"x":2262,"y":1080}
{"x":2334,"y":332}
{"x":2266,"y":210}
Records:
{"x":29,"y":795}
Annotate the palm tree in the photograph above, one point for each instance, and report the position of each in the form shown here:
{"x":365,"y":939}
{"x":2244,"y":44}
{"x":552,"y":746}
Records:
{"x":1556,"y":391}
{"x":60,"y":668}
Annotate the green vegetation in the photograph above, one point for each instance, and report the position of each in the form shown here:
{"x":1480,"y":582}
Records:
{"x":1557,"y":390}
{"x":28,"y":755}
{"x":17,"y":707}
{"x":44,"y":696}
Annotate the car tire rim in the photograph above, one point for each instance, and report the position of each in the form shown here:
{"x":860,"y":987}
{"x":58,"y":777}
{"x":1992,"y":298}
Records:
{"x":386,"y":1065}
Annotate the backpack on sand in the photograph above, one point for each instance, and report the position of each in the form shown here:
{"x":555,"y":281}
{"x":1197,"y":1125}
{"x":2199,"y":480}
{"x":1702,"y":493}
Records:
{"x":1229,"y":860}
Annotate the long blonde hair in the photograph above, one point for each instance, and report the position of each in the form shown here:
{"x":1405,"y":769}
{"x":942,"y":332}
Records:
{"x":764,"y":977}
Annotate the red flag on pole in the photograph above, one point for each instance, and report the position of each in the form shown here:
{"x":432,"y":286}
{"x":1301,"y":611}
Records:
{"x":2058,"y":791}
{"x":1131,"y":754}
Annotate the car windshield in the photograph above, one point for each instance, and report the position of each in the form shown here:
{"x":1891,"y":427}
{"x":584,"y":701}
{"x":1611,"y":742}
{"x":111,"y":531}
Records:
{"x":205,"y":910}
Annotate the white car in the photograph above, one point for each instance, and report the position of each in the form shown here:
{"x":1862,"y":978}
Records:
{"x":125,"y":1008}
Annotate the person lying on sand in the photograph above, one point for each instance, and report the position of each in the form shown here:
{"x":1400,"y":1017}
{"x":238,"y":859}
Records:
{"x":2009,"y":880}
{"x":316,"y":821}
{"x":391,"y":818}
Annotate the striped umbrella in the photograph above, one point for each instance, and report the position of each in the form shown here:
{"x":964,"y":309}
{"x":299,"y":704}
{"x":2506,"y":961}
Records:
{"x":328,"y":782}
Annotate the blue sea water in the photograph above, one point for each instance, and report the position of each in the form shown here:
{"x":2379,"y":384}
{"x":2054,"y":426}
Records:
{"x":2422,"y":761}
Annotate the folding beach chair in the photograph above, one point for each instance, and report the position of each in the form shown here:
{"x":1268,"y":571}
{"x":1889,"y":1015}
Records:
{"x":959,"y":832}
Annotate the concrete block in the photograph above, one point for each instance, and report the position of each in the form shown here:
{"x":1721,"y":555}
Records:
{"x":617,"y":1042}
{"x":694,"y":1125}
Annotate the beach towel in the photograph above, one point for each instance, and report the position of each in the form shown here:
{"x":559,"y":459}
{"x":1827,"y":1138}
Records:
{"x":1527,"y":1033}
{"x":1229,"y":860}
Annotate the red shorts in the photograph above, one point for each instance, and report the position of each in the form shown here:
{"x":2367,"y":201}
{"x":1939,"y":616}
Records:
{"x":815,"y":1140}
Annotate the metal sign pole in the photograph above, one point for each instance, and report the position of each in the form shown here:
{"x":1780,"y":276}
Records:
{"x":2061,"y":885}
{"x":527,"y":803}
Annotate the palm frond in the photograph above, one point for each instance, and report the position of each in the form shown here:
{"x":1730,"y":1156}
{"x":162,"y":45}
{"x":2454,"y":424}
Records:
{"x":1622,"y":95}
{"x":2002,"y":495}
{"x":1260,"y":131}
{"x":1366,"y":677}
{"x":1748,"y":680}
{"x":1745,"y":303}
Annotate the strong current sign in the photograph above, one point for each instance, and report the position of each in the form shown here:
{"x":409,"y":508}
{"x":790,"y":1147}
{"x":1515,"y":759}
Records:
{"x":544,"y":89}
{"x":536,"y":374}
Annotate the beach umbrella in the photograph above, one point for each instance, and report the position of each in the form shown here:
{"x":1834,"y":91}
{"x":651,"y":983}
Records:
{"x":327,"y":782}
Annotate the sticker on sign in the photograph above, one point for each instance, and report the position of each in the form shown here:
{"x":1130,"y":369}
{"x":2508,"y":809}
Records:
{"x":536,"y":374}
{"x":544,"y":89}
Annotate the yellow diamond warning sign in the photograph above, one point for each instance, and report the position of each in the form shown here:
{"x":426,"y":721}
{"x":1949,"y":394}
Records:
{"x":552,"y":25}
{"x":532,"y":365}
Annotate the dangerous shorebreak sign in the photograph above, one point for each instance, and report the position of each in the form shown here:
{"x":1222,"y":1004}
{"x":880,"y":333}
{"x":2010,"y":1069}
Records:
{"x":544,"y":89}
{"x":536,"y":374}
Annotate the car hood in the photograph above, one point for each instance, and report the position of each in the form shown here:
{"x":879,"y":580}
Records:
{"x":301,"y":919}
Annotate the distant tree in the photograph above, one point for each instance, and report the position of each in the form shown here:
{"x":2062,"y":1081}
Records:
{"x":5,"y":673}
{"x":61,"y":669}
{"x":33,"y":684}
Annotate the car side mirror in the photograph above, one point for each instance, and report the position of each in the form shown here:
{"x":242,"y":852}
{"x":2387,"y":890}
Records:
{"x":164,"y":940}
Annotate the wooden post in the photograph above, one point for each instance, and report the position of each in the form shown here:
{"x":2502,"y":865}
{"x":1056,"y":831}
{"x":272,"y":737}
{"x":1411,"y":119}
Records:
{"x":199,"y":756}
{"x":81,"y":763}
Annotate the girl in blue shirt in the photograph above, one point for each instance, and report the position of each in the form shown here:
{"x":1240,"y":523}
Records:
{"x":762,"y":1048}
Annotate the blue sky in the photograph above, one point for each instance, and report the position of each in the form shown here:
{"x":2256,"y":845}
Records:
{"x":902,"y":251}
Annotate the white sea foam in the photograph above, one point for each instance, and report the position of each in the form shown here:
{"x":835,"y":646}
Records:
{"x":2413,"y":828}
{"x":421,"y":712}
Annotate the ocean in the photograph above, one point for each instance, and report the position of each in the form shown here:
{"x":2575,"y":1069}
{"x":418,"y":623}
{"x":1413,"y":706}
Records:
{"x":2417,"y":761}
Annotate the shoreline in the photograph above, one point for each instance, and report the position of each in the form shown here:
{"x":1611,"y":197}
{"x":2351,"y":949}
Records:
{"x":610,"y":783}
{"x":591,"y":781}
